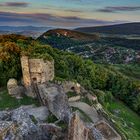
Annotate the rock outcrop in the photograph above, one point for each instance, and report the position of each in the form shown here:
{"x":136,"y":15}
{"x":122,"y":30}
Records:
{"x":39,"y":113}
{"x":18,"y":124}
{"x":56,"y":100}
{"x":27,"y":128}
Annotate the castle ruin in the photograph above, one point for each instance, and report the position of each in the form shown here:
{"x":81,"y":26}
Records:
{"x":36,"y":71}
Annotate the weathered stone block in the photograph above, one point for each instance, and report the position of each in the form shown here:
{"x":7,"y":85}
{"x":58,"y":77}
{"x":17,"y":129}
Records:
{"x":13,"y":88}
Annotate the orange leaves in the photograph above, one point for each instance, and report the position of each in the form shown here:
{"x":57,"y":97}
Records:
{"x":7,"y":50}
{"x":12,"y":38}
{"x":11,"y":47}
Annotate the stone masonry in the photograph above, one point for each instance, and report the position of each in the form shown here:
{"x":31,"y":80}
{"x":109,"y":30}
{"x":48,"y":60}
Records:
{"x":36,"y":70}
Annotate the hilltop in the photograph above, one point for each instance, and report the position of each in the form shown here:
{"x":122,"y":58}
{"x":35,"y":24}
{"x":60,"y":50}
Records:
{"x":74,"y":35}
{"x":126,"y":28}
{"x":64,"y":38}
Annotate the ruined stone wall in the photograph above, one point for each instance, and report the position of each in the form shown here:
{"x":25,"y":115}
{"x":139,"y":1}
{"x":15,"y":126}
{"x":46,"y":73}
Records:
{"x":70,"y":86}
{"x":41,"y":70}
{"x":107,"y":131}
{"x":36,"y":70}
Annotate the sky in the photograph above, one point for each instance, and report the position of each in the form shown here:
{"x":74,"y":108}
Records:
{"x":68,"y":13}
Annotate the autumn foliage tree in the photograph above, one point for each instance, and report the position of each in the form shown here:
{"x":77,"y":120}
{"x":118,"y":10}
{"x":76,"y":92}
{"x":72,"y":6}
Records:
{"x":9,"y":61}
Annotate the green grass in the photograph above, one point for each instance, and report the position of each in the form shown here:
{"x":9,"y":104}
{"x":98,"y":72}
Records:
{"x":71,"y":94}
{"x":86,"y":100}
{"x":51,"y":118}
{"x":63,"y":125}
{"x":127,"y":120}
{"x":85,"y":117}
{"x":8,"y":102}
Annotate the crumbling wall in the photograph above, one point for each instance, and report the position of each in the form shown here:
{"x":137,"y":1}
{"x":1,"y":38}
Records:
{"x":77,"y":129}
{"x":107,"y":131}
{"x":70,"y":86}
{"x":36,"y":70}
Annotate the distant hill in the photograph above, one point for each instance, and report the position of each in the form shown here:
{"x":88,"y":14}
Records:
{"x":64,"y":38}
{"x":74,"y":35}
{"x":31,"y":31}
{"x":127,"y":29}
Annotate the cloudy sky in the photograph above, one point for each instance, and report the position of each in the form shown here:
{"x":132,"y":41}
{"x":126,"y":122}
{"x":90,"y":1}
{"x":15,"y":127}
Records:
{"x":68,"y":13}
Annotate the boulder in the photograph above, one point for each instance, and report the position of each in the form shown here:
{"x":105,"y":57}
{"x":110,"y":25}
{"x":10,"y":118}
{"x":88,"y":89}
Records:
{"x":13,"y":88}
{"x":12,"y":83}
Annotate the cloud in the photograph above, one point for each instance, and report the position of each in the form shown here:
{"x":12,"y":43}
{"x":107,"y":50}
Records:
{"x":45,"y":19}
{"x":15,"y":4}
{"x":113,"y":9}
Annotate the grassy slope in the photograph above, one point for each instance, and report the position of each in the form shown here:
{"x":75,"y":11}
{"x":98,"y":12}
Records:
{"x":127,"y":120}
{"x":6,"y":101}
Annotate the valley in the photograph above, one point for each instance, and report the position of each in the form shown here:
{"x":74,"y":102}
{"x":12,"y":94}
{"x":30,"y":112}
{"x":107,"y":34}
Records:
{"x":109,"y":50}
{"x":105,"y":67}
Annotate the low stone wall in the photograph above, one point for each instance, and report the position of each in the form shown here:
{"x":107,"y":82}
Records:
{"x":107,"y":131}
{"x":74,"y":99}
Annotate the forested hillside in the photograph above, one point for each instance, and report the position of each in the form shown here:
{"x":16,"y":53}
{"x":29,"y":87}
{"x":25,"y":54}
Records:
{"x":110,"y":50}
{"x":68,"y":66}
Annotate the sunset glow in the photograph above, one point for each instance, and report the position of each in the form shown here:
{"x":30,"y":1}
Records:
{"x":68,"y":13}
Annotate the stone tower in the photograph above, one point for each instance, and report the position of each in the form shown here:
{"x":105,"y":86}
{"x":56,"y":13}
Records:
{"x":25,"y":71}
{"x":36,"y":70}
